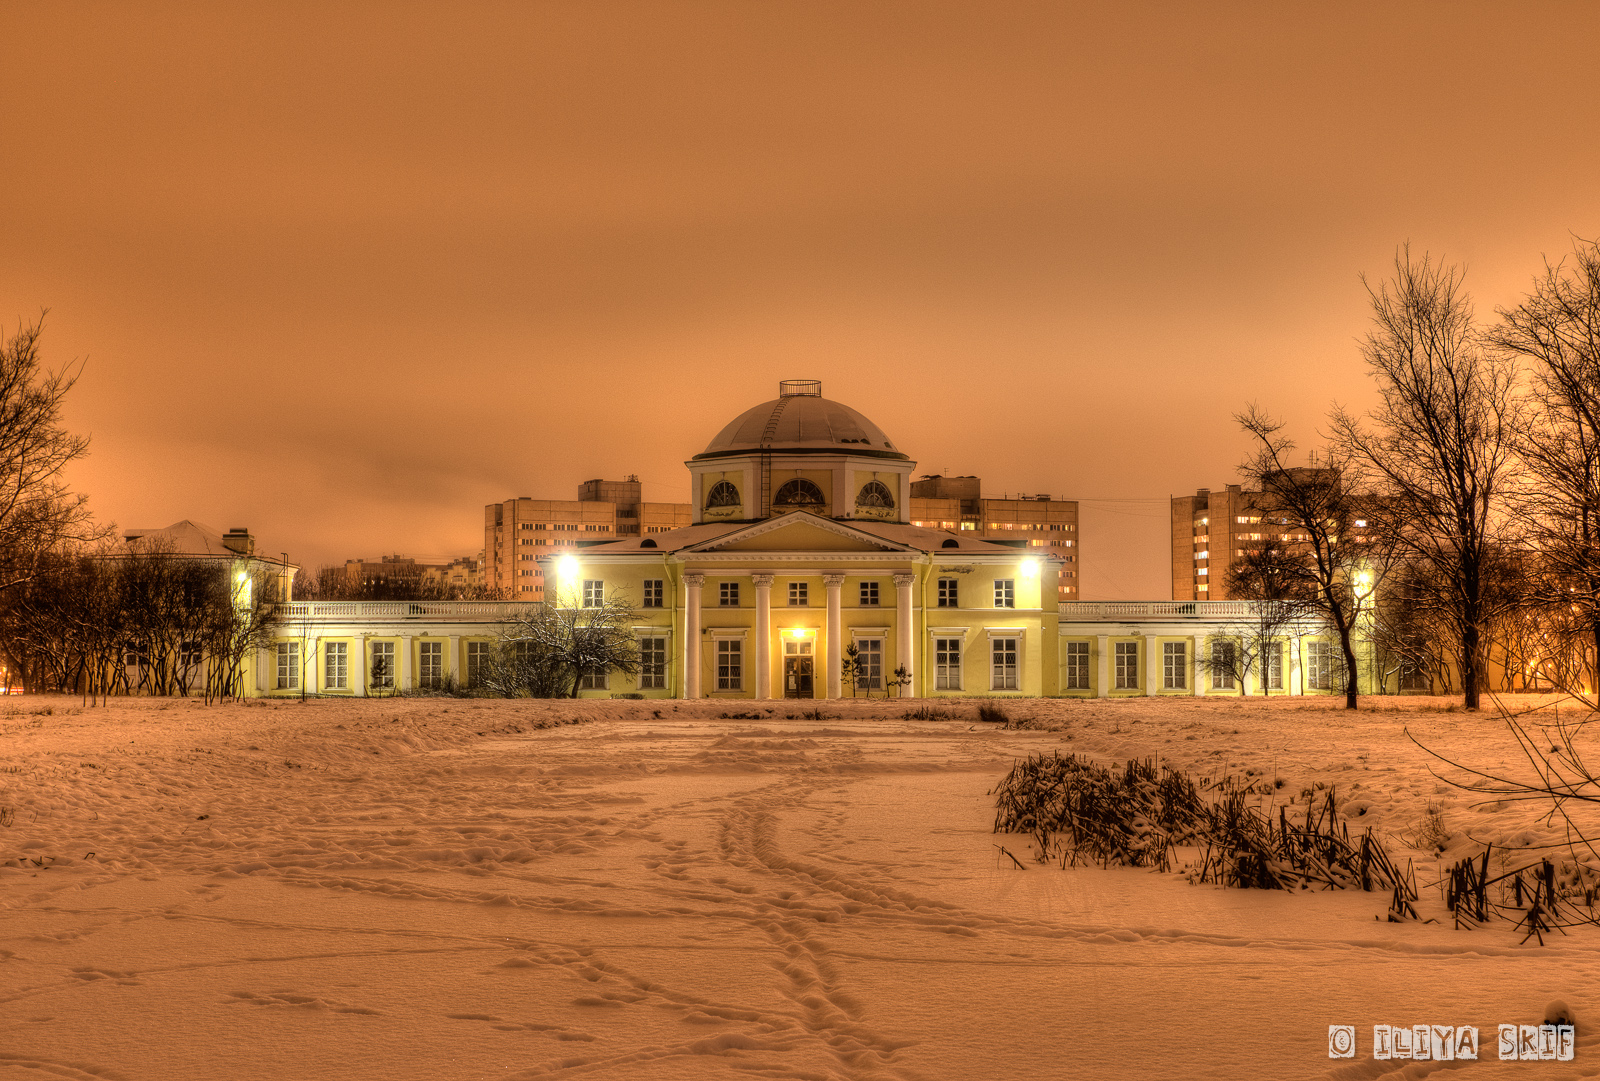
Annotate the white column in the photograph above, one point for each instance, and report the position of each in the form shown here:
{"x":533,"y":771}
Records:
{"x":1295,"y":676}
{"x":452,"y":659}
{"x":403,"y":663}
{"x":763,"y":634}
{"x":1102,"y":687}
{"x":1199,"y":666}
{"x":904,"y":630}
{"x":834,"y":584}
{"x":359,"y":663}
{"x":1152,"y":668}
{"x":310,"y":664}
{"x":266,"y":668}
{"x":691,"y":634}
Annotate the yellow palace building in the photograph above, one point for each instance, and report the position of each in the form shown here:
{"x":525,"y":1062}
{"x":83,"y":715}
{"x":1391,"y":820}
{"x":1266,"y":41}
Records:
{"x":801,"y":547}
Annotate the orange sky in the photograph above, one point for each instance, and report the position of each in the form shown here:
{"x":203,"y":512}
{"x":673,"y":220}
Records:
{"x":344,"y":273}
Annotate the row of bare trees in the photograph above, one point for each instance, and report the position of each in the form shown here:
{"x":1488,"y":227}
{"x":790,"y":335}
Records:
{"x":408,"y":582}
{"x":103,"y":622}
{"x":1459,"y":520}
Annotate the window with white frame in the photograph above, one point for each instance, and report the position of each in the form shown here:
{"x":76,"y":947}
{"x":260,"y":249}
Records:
{"x":477,"y":662}
{"x":188,"y":653}
{"x":799,"y":594}
{"x":1272,"y":666}
{"x":1005,"y":592}
{"x":869,"y":664}
{"x":728,"y":594}
{"x":1319,"y":665}
{"x":336,"y":666}
{"x":1175,"y":666}
{"x":594,"y":593}
{"x":730,"y":654}
{"x":949,"y":593}
{"x":288,"y":666}
{"x":652,"y":664}
{"x":869,"y":594}
{"x":1003,"y":658}
{"x":1414,"y":677}
{"x":1224,"y":658}
{"x":593,"y":681}
{"x":654,"y":592}
{"x":430,"y":664}
{"x":1127,"y":665}
{"x":1077,"y":666}
{"x":947,"y":664}
{"x":383,"y":671}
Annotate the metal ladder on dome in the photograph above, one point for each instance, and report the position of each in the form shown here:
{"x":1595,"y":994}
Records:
{"x":767,"y":435}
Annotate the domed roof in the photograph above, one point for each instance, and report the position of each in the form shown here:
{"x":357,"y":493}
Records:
{"x":801,"y":419}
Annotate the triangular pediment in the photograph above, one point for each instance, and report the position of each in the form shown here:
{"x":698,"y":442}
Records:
{"x":800,"y":531}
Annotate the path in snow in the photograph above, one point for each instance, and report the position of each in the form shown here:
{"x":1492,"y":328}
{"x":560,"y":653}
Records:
{"x":436,"y":889}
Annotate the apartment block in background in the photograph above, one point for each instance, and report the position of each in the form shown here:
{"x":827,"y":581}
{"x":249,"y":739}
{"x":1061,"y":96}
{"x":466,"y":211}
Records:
{"x":1028,"y":521}
{"x":517,"y":532}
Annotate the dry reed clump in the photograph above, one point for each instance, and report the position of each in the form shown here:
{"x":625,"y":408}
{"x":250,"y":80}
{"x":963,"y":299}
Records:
{"x":1134,"y":816}
{"x":930,"y":713}
{"x":993,"y":714}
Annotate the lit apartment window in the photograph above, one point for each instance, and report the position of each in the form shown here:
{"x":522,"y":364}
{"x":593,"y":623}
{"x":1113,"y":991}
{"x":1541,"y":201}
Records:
{"x":1077,"y":664}
{"x":947,"y":664}
{"x":654,"y":592}
{"x":1174,"y":658}
{"x":594,"y":593}
{"x":1127,"y":657}
{"x":949,"y":593}
{"x":729,"y":676}
{"x":430,"y":664}
{"x":869,"y":664}
{"x":729,"y":594}
{"x":336,"y":666}
{"x":1005,"y":593}
{"x":652,"y":664}
{"x":477,"y":662}
{"x":288,"y":666}
{"x":383,"y":664}
{"x":969,"y":525}
{"x":869,"y":593}
{"x":1003,"y":653}
{"x":799,"y":594}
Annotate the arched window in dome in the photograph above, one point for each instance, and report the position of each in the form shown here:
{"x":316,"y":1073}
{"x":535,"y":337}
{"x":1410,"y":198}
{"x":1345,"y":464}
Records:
{"x":875,"y":493}
{"x":722,"y":494}
{"x":798,"y":493}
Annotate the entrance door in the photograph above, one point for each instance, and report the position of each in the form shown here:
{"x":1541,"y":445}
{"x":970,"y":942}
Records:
{"x":797,"y":670}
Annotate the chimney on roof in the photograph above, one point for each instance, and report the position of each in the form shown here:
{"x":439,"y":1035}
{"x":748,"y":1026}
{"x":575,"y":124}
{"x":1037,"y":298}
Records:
{"x":239,"y":541}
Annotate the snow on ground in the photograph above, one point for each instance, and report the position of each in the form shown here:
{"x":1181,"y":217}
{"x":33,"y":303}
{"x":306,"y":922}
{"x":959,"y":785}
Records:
{"x":443,"y":889}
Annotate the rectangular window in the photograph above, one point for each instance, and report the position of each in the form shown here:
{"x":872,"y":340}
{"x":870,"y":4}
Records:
{"x":1224,"y":657}
{"x":949,"y":596}
{"x":1003,"y":652}
{"x":383,"y":664}
{"x":430,"y":664}
{"x":189,"y":654}
{"x":654,"y":592}
{"x":477,"y":662}
{"x":1413,"y":677}
{"x":652,"y":664}
{"x":1319,"y":662}
{"x":1127,"y":656}
{"x":1175,"y":664}
{"x":729,"y":594}
{"x":594,"y":593}
{"x":288,"y":666}
{"x":1005,"y":593}
{"x":799,"y":594}
{"x":1077,"y":666}
{"x":336,"y":666}
{"x":592,"y":681}
{"x":869,"y":593}
{"x":729,"y":676}
{"x":947,"y":664}
{"x":869,"y":664}
{"x":1272,"y":666}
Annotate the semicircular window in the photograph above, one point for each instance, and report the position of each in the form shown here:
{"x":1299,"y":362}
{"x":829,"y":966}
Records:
{"x":875,"y":494}
{"x":798,"y":493}
{"x":723,"y":494}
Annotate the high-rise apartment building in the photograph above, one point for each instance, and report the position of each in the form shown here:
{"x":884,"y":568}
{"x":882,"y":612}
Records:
{"x":517,"y":532}
{"x":1028,"y":521}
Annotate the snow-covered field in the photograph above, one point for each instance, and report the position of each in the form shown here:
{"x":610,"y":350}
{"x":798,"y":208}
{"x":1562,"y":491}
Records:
{"x":439,"y":889}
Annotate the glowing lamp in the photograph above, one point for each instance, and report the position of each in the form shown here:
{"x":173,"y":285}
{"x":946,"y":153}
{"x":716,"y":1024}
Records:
{"x":1030,"y":568}
{"x":567,"y":567}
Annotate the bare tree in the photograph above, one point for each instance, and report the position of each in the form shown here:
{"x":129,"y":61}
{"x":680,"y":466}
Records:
{"x":553,"y":650}
{"x":1556,"y":331}
{"x":37,"y":513}
{"x":1439,"y":443}
{"x":1332,"y":549}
